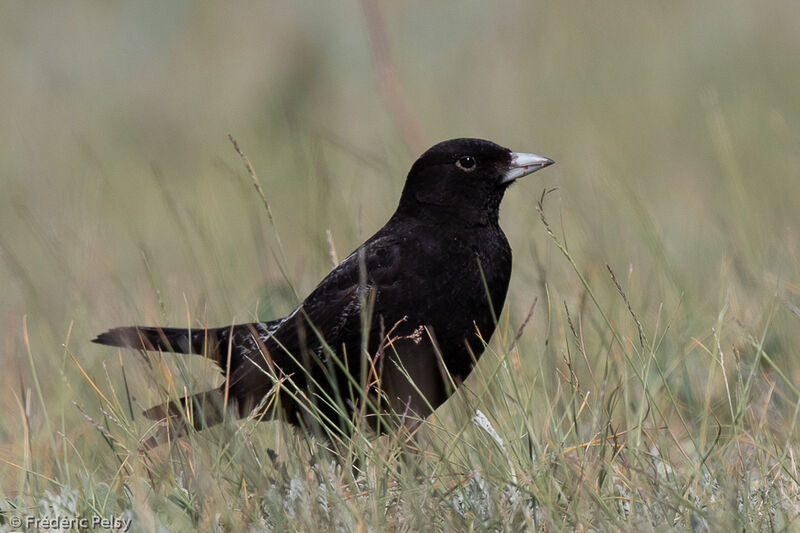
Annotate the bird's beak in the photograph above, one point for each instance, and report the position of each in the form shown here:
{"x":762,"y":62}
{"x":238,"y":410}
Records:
{"x":524,"y":164}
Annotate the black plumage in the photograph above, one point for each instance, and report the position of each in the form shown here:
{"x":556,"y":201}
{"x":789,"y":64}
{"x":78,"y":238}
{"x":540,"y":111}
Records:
{"x":418,"y":299}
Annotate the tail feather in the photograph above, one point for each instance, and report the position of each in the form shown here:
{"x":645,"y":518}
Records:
{"x":201,"y":410}
{"x":179,"y":340}
{"x":232,"y":346}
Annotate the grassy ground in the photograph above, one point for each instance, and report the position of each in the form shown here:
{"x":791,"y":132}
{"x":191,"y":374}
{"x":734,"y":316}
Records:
{"x":654,"y":385}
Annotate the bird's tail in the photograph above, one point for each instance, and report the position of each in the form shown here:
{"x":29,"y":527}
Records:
{"x":201,"y":410}
{"x":198,"y":411}
{"x":222,"y":345}
{"x":179,"y":340}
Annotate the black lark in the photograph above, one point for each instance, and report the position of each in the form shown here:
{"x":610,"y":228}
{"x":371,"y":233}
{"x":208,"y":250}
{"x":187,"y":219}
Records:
{"x":390,"y":330}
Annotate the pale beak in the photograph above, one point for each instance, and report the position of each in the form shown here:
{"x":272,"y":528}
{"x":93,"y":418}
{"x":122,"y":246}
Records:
{"x":524,"y":164}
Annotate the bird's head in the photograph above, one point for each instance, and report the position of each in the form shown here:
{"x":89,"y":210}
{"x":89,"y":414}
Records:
{"x":463,"y":180}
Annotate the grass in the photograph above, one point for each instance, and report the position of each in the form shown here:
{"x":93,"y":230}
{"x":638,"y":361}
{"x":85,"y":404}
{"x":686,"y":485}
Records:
{"x":644,"y":373}
{"x":635,"y":427}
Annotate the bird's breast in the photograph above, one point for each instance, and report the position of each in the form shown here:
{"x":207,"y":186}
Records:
{"x":456,"y":280}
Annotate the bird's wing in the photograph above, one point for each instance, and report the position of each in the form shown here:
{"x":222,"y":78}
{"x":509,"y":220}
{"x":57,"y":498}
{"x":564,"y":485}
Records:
{"x":331,"y":315}
{"x":353,"y":288}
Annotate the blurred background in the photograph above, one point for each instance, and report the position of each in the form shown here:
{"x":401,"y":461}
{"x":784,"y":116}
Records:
{"x":675,"y":128}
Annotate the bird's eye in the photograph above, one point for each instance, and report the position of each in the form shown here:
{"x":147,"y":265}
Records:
{"x":466,"y":163}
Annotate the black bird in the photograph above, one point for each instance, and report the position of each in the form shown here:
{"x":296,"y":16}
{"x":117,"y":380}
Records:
{"x":417,"y":300}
